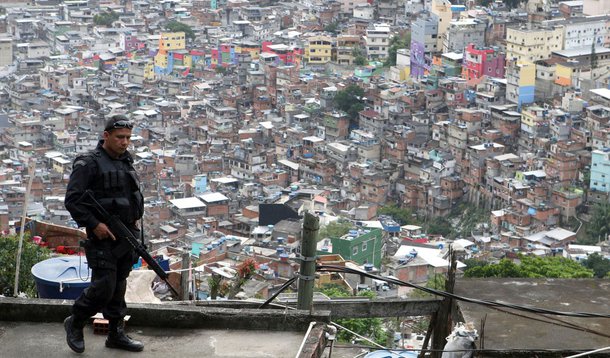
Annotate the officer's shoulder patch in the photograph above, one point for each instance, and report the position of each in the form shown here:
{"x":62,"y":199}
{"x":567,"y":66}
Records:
{"x":83,"y":160}
{"x":79,"y":163}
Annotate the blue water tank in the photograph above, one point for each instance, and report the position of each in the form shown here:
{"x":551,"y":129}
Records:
{"x":62,"y":277}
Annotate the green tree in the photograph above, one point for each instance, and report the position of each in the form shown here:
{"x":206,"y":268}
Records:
{"x":598,"y":264}
{"x":599,"y":226}
{"x":402,"y":216}
{"x":105,"y":18}
{"x":586,"y":178}
{"x":335,"y":229}
{"x":371,"y":328}
{"x":436,"y":282}
{"x":31,"y":254}
{"x":470,"y":216}
{"x":396,"y":43}
{"x":359,"y":56}
{"x":439,"y":226}
{"x":513,"y":4}
{"x":332,"y":27}
{"x":177,"y":26}
{"x":350,"y":101}
{"x":360,"y":61}
{"x":532,"y":267}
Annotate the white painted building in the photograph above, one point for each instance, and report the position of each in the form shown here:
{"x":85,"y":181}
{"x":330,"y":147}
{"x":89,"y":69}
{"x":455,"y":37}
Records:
{"x":377,"y":41}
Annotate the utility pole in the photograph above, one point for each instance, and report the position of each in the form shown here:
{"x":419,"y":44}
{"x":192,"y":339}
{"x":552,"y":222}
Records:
{"x":444,"y":320}
{"x":185,"y":275}
{"x":31,"y":171}
{"x":311,"y":225}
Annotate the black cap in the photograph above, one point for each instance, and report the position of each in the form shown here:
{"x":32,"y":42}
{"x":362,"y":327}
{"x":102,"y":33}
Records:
{"x":117,"y":121}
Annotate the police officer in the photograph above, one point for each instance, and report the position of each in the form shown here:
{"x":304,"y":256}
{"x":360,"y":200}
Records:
{"x":108,"y":172}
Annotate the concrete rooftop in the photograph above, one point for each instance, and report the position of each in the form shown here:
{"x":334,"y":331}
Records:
{"x":35,"y":339}
{"x":34,"y":328}
{"x":505,"y":331}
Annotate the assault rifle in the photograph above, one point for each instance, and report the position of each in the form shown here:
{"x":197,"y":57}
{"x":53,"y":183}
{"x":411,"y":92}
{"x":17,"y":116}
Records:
{"x":122,"y":232}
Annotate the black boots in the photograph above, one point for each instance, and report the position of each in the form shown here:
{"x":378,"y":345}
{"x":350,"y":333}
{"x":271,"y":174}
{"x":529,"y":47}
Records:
{"x":74,"y":333}
{"x":118,"y":339}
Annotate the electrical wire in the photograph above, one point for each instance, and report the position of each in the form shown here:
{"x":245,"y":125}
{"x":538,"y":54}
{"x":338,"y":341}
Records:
{"x":282,"y":288}
{"x":492,"y":304}
{"x":554,"y":321}
{"x":590,"y":352}
{"x":526,"y":308}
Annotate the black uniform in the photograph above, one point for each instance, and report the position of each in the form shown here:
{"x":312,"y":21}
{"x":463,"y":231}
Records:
{"x":116,"y":186}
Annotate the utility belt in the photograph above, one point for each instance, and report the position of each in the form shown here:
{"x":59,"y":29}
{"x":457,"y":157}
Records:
{"x":104,"y":254}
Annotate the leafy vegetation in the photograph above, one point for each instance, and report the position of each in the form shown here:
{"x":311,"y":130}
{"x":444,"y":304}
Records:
{"x":332,"y":27}
{"x":371,"y":328}
{"x":350,"y":100}
{"x":470,"y":216}
{"x":599,"y":226}
{"x":532,"y":267}
{"x":105,"y":18}
{"x":31,"y":254}
{"x":598,"y":264}
{"x":396,"y":43}
{"x":359,"y":56}
{"x":335,"y":229}
{"x":436,"y":282}
{"x":402,"y":216}
{"x":439,"y":226}
{"x":177,"y":26}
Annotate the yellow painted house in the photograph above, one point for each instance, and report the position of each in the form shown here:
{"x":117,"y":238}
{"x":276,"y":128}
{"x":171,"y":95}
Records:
{"x":149,"y":71}
{"x":319,"y":49}
{"x":563,"y":74}
{"x":532,"y":44}
{"x":169,"y":41}
{"x":531,"y":116}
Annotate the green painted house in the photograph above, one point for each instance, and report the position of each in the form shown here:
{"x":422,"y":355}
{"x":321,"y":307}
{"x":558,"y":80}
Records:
{"x":362,"y":245}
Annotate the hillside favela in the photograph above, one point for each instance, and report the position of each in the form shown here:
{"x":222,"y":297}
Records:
{"x":319,"y":178}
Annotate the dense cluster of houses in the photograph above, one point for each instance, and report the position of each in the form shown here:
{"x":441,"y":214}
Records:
{"x":237,"y":132}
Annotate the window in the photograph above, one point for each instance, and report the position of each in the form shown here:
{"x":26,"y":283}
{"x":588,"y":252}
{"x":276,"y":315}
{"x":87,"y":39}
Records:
{"x":364,"y":247}
{"x":355,"y":250}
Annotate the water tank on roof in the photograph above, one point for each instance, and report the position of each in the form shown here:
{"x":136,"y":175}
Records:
{"x":62,"y":277}
{"x":368,"y":267}
{"x":413,"y":253}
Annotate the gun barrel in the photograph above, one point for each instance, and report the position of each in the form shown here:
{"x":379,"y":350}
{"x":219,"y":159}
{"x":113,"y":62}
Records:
{"x":119,"y":230}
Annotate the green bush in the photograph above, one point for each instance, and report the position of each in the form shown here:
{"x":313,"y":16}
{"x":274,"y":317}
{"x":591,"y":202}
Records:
{"x":31,"y":254}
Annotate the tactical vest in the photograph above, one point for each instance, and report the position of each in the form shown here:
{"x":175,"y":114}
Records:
{"x":117,"y":187}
